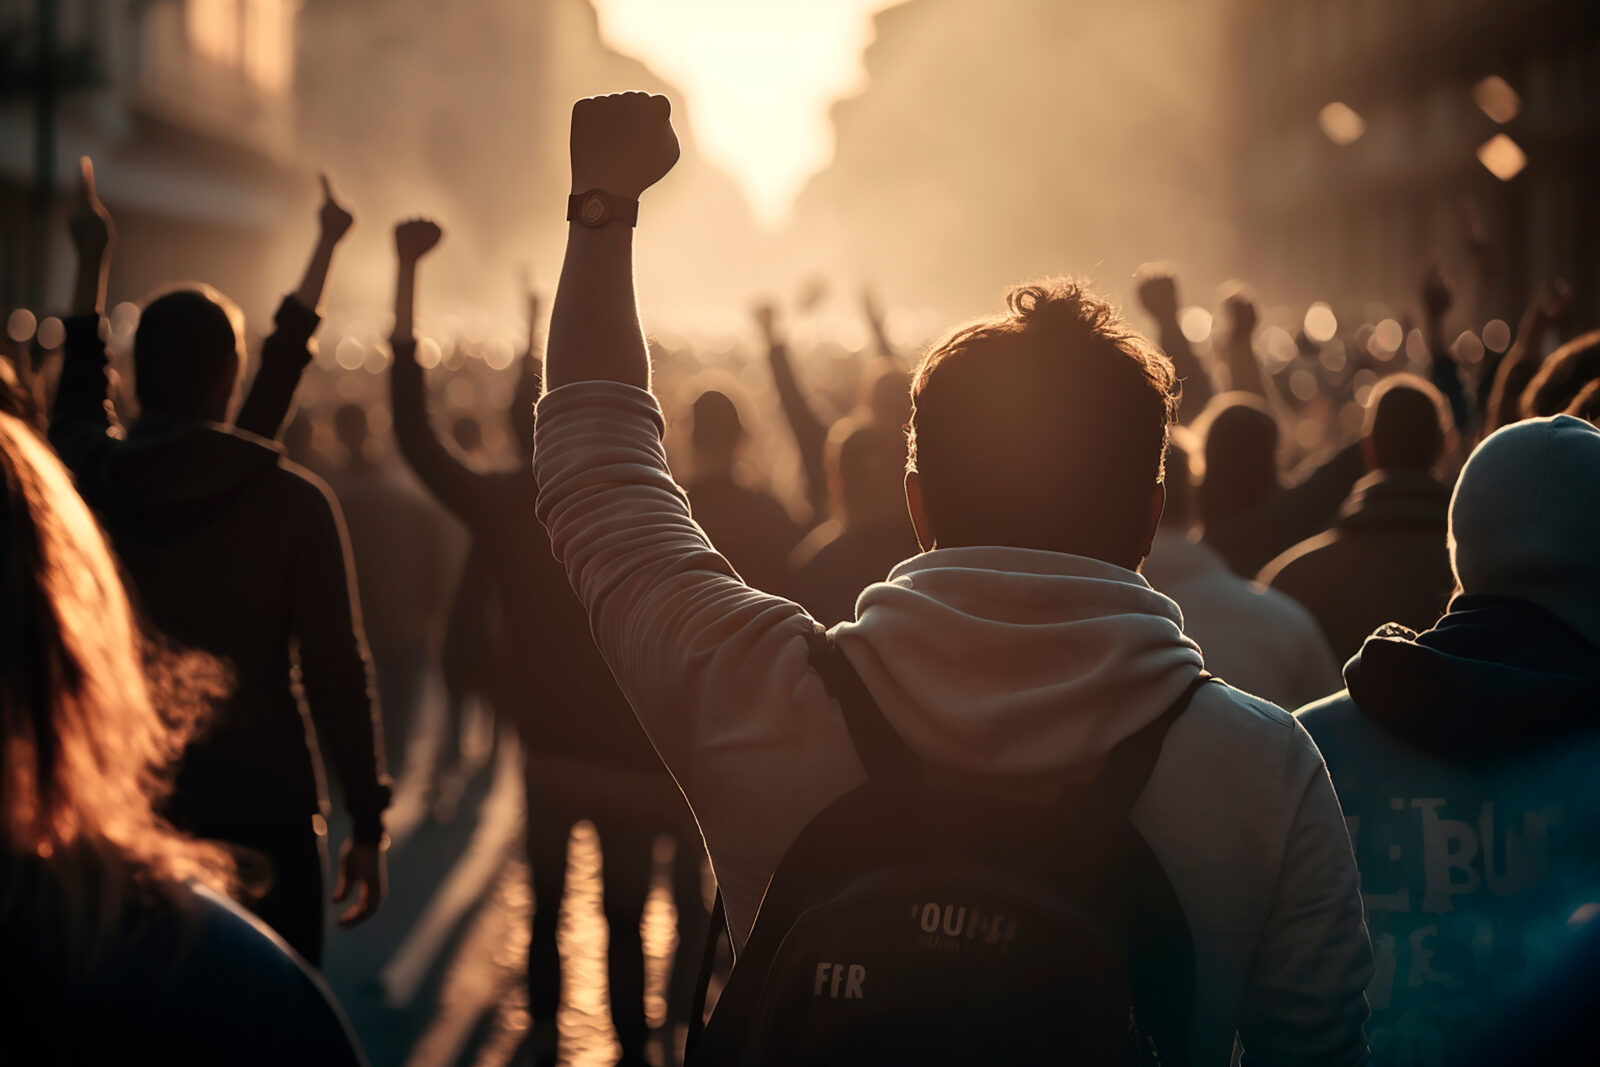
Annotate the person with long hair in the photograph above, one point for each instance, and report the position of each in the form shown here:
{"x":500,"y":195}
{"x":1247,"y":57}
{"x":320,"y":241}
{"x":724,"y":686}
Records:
{"x":119,"y":942}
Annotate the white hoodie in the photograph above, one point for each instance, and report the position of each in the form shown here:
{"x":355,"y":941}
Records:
{"x":1009,"y":672}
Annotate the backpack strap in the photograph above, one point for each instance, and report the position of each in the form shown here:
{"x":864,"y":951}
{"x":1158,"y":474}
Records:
{"x":883,"y":752}
{"x":1101,"y":811}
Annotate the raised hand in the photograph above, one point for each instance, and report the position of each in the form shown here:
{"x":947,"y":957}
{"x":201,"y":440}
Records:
{"x":1436,"y":293}
{"x":1158,"y":291}
{"x":333,"y":216}
{"x":622,"y":143}
{"x":93,"y":237}
{"x":415,"y":238}
{"x":765,"y":312}
{"x":1242,"y":315}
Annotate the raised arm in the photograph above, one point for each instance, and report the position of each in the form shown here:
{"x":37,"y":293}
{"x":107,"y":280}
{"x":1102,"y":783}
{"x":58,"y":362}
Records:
{"x":1437,"y":298}
{"x":1545,"y":312}
{"x":1158,"y":292}
{"x":286,"y":352}
{"x":810,"y":435}
{"x":81,"y":424}
{"x":466,"y":492}
{"x":1239,"y":345}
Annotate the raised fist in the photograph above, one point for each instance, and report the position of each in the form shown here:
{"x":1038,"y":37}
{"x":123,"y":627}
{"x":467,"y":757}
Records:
{"x":1240,"y":305}
{"x":622,"y":143}
{"x":1158,"y":291}
{"x":93,"y":233}
{"x":1436,"y":294}
{"x":765,"y":312}
{"x":335,"y":218}
{"x":414,"y":238}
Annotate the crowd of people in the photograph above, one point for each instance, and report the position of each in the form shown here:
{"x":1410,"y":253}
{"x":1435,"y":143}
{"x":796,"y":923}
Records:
{"x":1216,"y":699}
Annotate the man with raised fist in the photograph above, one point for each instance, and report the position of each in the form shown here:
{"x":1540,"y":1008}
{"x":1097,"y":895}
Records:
{"x":1007,"y":662}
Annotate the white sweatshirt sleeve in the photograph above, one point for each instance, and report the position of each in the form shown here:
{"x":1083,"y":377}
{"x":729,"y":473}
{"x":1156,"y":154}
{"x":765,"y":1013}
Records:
{"x":717,"y":672}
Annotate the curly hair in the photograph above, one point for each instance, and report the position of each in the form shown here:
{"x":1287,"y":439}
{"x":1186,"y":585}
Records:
{"x":1044,"y":426}
{"x":93,"y":714}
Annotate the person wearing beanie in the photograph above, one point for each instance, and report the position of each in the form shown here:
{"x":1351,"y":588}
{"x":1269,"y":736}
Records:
{"x":1384,"y":558}
{"x":1464,"y":758}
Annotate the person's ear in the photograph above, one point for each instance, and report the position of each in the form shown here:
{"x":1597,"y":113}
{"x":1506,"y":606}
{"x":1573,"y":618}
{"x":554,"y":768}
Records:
{"x":1152,"y":522}
{"x":919,"y":512}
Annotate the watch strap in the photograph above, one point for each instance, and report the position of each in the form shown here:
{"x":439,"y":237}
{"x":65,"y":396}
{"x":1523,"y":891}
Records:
{"x":596,"y":208}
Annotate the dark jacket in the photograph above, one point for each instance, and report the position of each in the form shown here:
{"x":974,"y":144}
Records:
{"x":190,"y":980}
{"x":1250,"y":540}
{"x":751,"y":529}
{"x":1464,"y":761}
{"x":829,"y":572}
{"x":1384,"y":560}
{"x":233,"y":550}
{"x":550,"y":681}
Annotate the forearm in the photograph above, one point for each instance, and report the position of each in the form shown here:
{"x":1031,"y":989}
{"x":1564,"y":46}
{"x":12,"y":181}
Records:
{"x":1245,"y":369}
{"x":1444,"y":374}
{"x":284,"y":356}
{"x":810,"y":435}
{"x":595,"y":333}
{"x":458,"y":487}
{"x":309,"y":292}
{"x":1516,"y":370}
{"x":82,"y":416}
{"x":1197,"y":386}
{"x":89,"y":284}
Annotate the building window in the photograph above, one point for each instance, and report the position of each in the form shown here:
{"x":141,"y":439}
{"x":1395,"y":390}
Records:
{"x":251,"y":37}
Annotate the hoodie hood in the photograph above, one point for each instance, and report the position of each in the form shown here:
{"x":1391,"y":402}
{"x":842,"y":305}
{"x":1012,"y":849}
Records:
{"x":176,"y":471}
{"x":1014,"y":661}
{"x":1495,"y":675}
{"x":1397,"y":500}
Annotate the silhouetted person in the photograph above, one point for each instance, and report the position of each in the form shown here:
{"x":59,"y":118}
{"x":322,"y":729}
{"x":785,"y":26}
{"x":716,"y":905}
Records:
{"x":1158,"y":292}
{"x":1009,"y":657}
{"x":399,"y":546}
{"x":1247,"y":514}
{"x":1464,"y":755}
{"x":236,"y":552}
{"x":1384,"y":559}
{"x":809,"y":430}
{"x":118,"y":945}
{"x":756,"y":532}
{"x":586,"y":756}
{"x":1252,"y":638}
{"x":872,"y":532}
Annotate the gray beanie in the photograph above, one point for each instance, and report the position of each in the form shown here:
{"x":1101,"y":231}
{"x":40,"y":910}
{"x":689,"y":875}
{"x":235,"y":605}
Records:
{"x":1525,"y":519}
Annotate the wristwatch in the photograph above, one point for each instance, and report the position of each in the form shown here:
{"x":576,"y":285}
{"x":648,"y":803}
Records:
{"x":596,"y":207}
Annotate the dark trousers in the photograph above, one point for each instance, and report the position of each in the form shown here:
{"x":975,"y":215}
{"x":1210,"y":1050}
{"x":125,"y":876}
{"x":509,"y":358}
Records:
{"x":290,"y":859}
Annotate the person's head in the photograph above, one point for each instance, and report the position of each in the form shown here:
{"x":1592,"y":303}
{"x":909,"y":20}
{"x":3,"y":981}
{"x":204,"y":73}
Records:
{"x":86,"y":744}
{"x":351,"y":427}
{"x":188,"y":353}
{"x":715,"y":432}
{"x":886,"y":394}
{"x":1407,"y":425}
{"x":1240,"y":455}
{"x":467,"y":433}
{"x":867,"y":465}
{"x":1523,"y":520}
{"x":1042,"y":427}
{"x":1179,"y":512}
{"x":1562,"y":376}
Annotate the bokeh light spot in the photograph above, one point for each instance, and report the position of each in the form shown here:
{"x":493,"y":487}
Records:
{"x":1340,"y":123}
{"x":1320,"y":324}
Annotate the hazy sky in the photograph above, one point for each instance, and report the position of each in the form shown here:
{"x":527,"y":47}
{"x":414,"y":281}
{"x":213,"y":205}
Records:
{"x":759,"y":76}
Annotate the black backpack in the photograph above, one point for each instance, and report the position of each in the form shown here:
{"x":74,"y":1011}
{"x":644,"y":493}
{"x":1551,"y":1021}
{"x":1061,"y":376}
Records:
{"x":908,"y":924}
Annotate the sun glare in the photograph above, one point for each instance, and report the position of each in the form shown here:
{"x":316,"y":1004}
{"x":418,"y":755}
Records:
{"x":758,"y":76}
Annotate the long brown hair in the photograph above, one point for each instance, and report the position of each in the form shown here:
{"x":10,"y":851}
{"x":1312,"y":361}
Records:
{"x":92,"y":714}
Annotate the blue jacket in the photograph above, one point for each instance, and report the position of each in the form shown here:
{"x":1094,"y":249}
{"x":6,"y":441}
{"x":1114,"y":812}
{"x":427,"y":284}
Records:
{"x":1464,"y":759}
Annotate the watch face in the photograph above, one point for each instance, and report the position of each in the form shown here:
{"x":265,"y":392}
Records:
{"x":593,"y":209}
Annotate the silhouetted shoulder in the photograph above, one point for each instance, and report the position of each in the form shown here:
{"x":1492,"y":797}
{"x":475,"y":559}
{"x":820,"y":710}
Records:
{"x":304,"y":486}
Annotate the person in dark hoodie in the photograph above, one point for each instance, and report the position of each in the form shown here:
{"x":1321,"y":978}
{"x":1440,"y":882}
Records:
{"x":1464,"y":756}
{"x":586,"y":756}
{"x":1248,"y":514}
{"x":1384,"y":560}
{"x":235,"y":552}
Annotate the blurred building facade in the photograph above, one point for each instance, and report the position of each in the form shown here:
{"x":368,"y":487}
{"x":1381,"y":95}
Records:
{"x":185,"y":107}
{"x":1372,"y":133}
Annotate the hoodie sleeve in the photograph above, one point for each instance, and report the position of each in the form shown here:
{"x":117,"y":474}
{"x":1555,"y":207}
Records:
{"x":335,"y":670}
{"x":284,"y":356}
{"x":1305,"y":1001}
{"x":82,"y":423}
{"x":717,"y":672}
